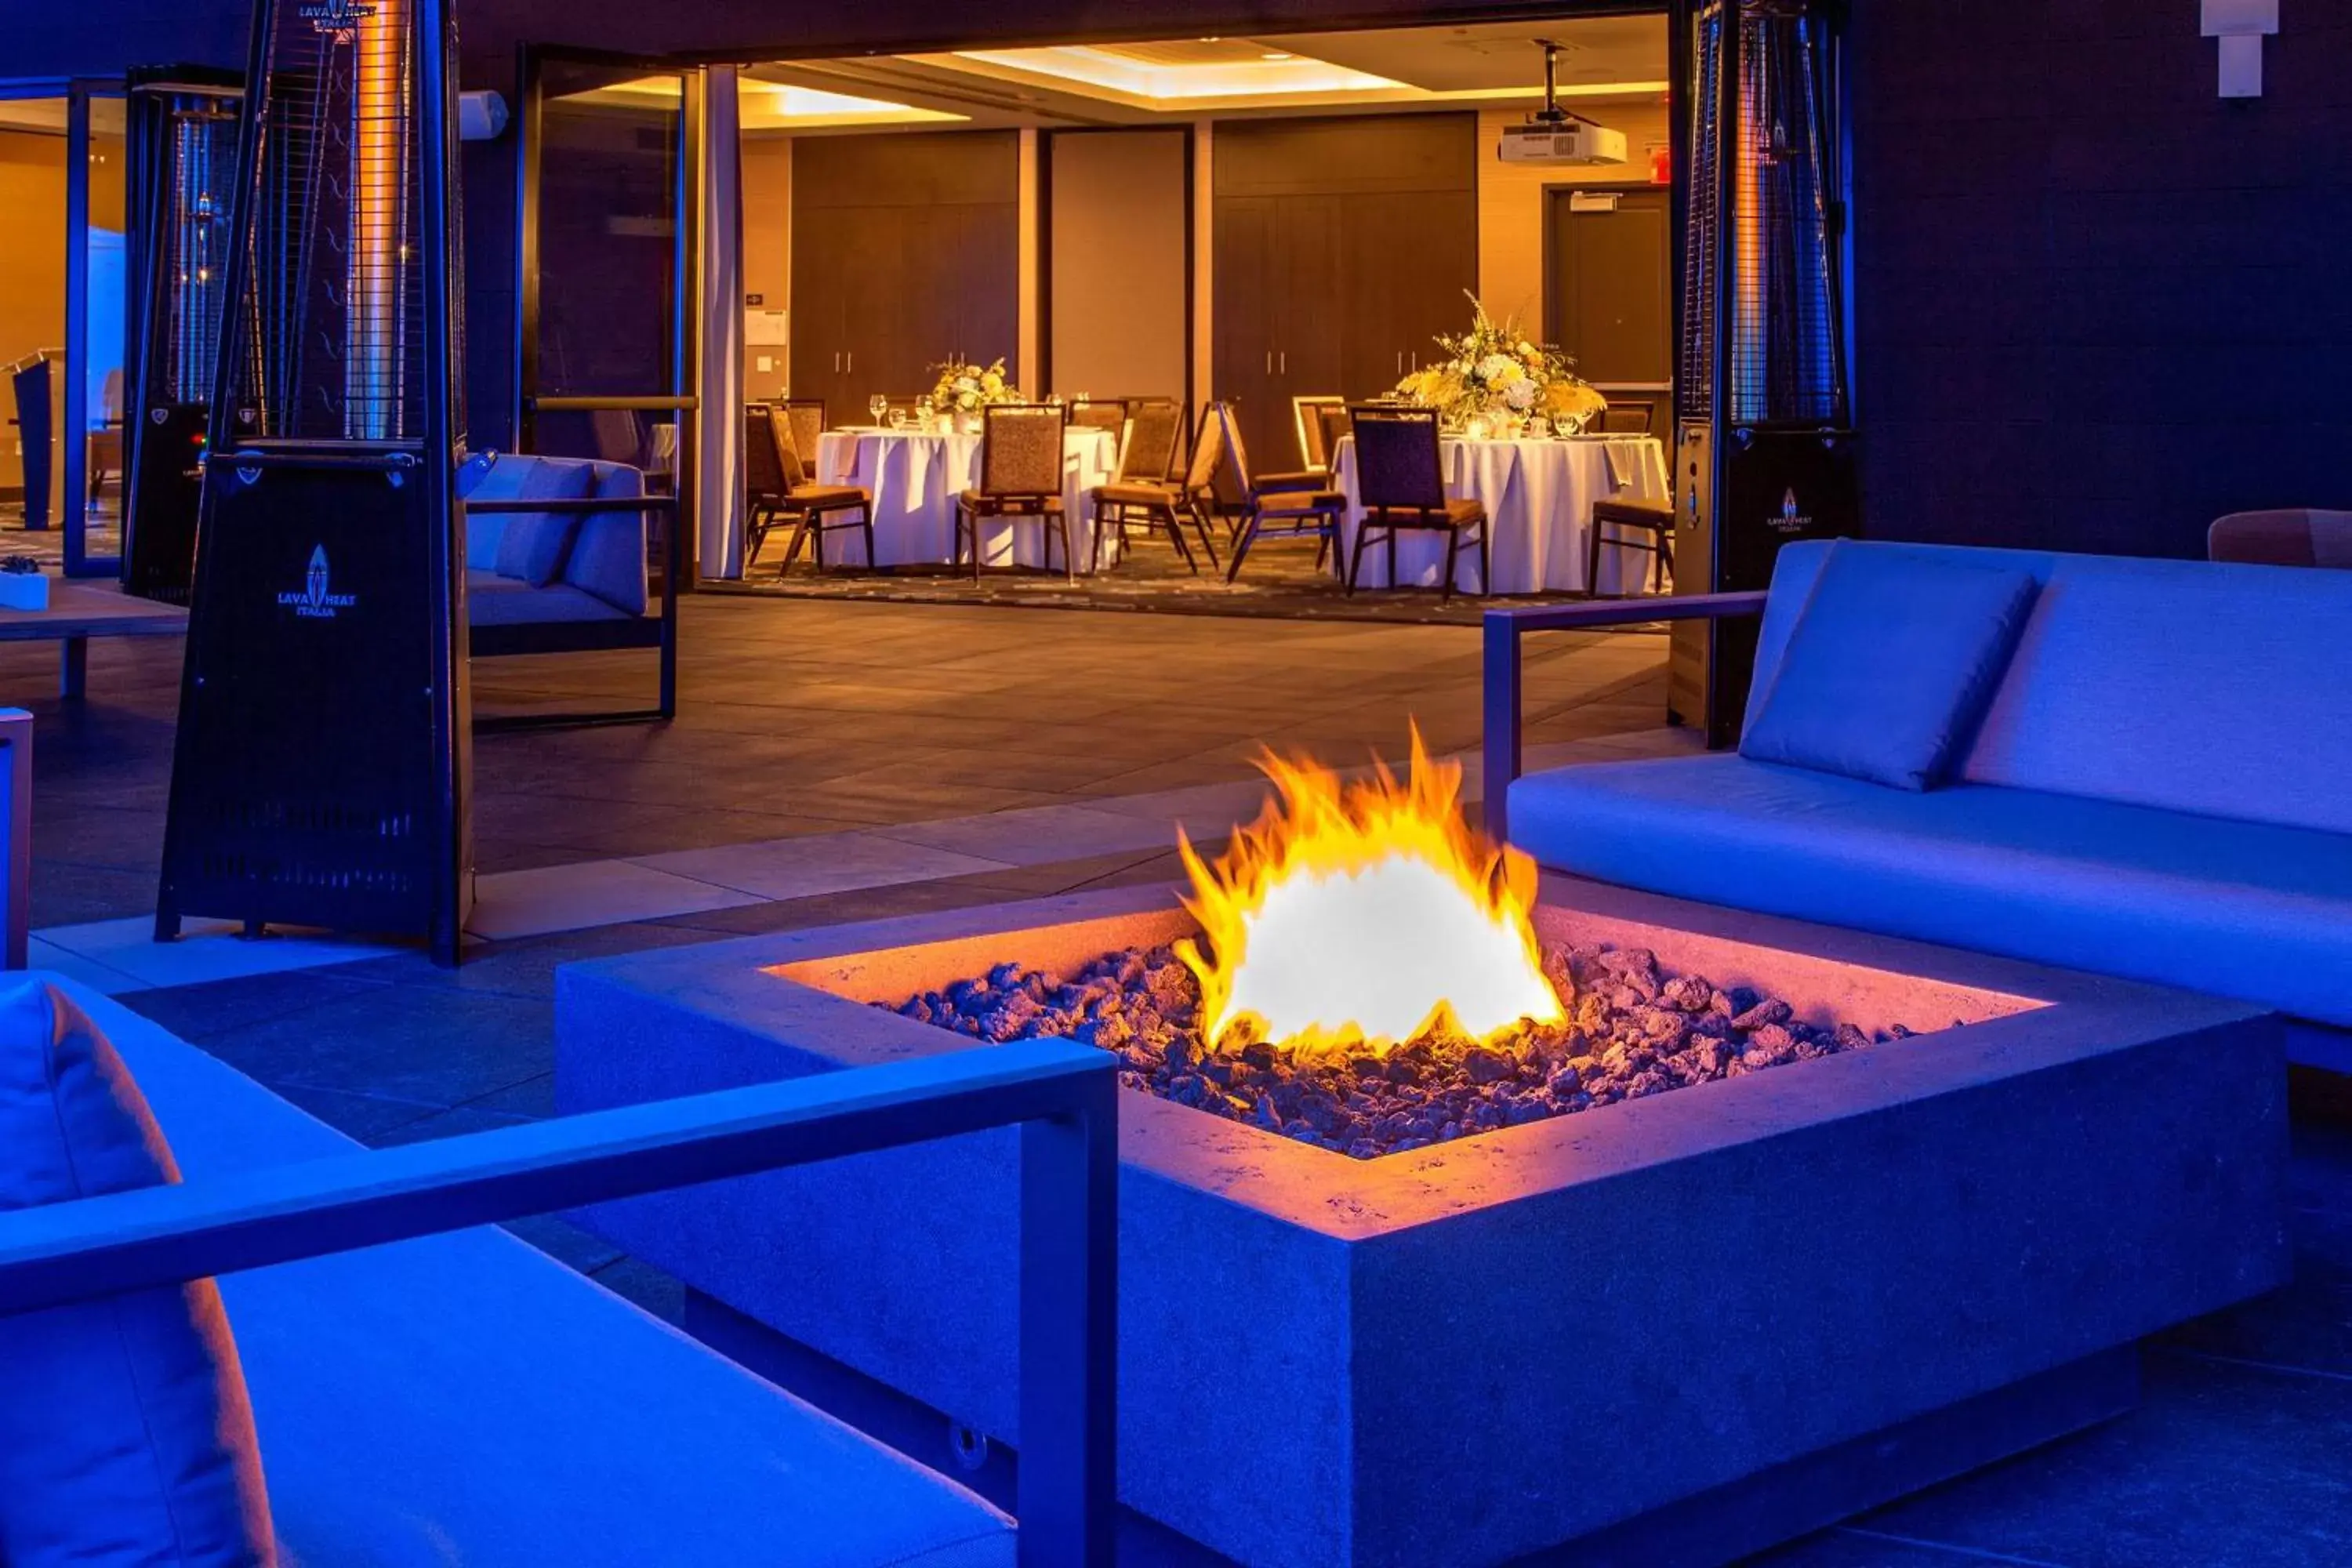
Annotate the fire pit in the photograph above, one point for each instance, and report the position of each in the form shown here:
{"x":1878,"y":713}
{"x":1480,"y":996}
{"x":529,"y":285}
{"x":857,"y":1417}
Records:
{"x":1369,"y":980}
{"x":1674,"y":1328}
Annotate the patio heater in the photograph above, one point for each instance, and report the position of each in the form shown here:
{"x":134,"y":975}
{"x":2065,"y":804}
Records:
{"x":321,"y":767}
{"x":183,"y":160}
{"x":1764,"y":448}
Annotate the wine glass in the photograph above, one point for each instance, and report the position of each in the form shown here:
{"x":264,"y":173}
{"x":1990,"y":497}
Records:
{"x":877,"y":405}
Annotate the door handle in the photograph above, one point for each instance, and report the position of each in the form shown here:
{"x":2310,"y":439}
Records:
{"x":1269,"y":362}
{"x":1284,"y":355}
{"x":852,"y":365}
{"x":1400,"y":363}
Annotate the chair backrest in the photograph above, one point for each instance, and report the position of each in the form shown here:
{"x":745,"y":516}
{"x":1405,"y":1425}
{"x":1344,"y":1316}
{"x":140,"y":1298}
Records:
{"x":1397,"y":465}
{"x":1021,"y":449}
{"x":1150,"y":441}
{"x":1208,"y":450}
{"x":1229,"y":432}
{"x":1100,"y":413}
{"x":786,"y":443}
{"x":2292,"y":536}
{"x":1626,"y":419}
{"x":1336,"y":425}
{"x":1314,"y":435}
{"x":763,"y":465}
{"x":621,"y":437}
{"x":807,"y":418}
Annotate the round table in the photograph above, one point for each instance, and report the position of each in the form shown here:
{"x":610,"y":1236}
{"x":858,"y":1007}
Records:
{"x":915,"y":476}
{"x":1538,"y":495}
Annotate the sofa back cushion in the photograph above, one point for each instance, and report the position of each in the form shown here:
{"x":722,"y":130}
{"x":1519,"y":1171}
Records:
{"x":608,"y":554}
{"x":1888,"y":670}
{"x":125,"y":1434}
{"x":2184,"y":685}
{"x":530,"y":547}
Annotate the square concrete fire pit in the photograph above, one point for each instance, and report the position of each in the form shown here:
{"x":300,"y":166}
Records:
{"x":1671,"y":1330}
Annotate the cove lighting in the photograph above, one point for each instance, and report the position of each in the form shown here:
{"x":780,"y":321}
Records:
{"x":1266,"y":76}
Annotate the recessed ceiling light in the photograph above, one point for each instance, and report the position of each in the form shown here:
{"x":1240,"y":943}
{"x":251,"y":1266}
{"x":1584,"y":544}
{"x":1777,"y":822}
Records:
{"x":1274,"y":54}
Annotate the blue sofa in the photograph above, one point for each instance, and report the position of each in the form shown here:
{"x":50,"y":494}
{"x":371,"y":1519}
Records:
{"x":459,"y":1396}
{"x":590,"y":523}
{"x":2161,"y":790}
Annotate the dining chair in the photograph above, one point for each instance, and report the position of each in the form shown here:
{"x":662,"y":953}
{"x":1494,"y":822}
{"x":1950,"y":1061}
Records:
{"x":1400,"y":479}
{"x":1145,"y":495}
{"x":1315,"y":444}
{"x":811,"y":507}
{"x":1276,"y":506}
{"x":1100,"y":414}
{"x":1021,"y":465}
{"x":763,"y":480}
{"x":1626,"y":418}
{"x":1650,"y":524}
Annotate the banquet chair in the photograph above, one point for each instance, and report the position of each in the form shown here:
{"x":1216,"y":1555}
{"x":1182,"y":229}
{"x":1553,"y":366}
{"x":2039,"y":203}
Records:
{"x":763,"y":480}
{"x":1625,"y":419}
{"x":1401,"y":478}
{"x":1276,"y":506}
{"x":1020,"y":464}
{"x":1100,"y":414}
{"x":1309,"y":416}
{"x":1145,"y":494}
{"x":1651,"y":526}
{"x":811,"y":508}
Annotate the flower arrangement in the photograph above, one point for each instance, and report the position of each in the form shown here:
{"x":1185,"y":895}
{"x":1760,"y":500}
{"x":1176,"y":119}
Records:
{"x":1494,"y":371}
{"x":964,"y":388}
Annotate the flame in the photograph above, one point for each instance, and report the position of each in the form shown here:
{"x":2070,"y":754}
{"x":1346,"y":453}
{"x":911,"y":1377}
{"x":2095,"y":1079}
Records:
{"x":1365,"y":913}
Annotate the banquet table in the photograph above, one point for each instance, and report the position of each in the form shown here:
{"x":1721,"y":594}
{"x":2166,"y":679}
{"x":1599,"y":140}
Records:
{"x":1538,"y":495}
{"x":915,"y":476}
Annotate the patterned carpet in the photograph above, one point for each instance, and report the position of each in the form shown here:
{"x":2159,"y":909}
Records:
{"x":1280,"y":581}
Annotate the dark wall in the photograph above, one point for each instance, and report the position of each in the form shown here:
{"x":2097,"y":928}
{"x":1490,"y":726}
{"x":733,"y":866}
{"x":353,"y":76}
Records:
{"x":2097,"y":306}
{"x":105,"y":37}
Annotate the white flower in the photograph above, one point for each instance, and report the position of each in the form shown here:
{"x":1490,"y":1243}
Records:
{"x":1527,"y":349}
{"x":1521,"y":393}
{"x":1495,"y":370}
{"x":966,"y":383}
{"x":967,"y":400}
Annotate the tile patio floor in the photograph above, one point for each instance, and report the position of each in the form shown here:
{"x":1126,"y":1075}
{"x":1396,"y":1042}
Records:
{"x":876,"y":735}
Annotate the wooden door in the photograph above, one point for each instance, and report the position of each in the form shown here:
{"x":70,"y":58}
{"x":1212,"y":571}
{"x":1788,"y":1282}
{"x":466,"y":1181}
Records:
{"x":1245,"y":273}
{"x":1410,"y":264}
{"x":987,"y":243}
{"x":1607,"y":293}
{"x":1309,"y":327}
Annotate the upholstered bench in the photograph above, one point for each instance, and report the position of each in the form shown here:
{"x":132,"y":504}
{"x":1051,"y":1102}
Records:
{"x":2159,"y":788}
{"x":462,"y":1397}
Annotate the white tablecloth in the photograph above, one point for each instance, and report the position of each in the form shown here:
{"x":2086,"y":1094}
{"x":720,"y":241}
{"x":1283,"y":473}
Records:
{"x":1539,"y":495}
{"x":915,"y":480}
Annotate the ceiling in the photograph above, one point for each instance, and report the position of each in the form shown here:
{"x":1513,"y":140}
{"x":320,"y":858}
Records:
{"x":1603,"y":59}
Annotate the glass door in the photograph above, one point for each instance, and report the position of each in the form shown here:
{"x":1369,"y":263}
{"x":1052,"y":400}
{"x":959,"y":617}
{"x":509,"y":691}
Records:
{"x":608,"y":331}
{"x":98,"y":294}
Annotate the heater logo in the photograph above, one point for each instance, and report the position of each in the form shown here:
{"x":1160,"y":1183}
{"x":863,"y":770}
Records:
{"x":338,"y":19}
{"x":315,"y":600}
{"x":1790,"y":520}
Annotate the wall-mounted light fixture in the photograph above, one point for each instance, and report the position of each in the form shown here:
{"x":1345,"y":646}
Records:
{"x":2239,"y":26}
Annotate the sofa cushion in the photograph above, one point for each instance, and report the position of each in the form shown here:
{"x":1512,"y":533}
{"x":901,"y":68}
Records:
{"x":465,"y":1398}
{"x":534,"y":546}
{"x":2252,"y":910}
{"x":608,"y":555}
{"x":1889,"y":666}
{"x":494,"y":601}
{"x":124,"y":1432}
{"x":2189,"y":685}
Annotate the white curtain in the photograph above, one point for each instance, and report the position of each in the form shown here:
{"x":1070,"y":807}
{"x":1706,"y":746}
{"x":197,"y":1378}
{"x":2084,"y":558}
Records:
{"x":720,"y":494}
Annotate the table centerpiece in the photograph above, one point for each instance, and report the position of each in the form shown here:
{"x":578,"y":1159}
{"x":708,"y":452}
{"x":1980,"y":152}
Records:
{"x":1495,"y":378}
{"x":963,"y":389}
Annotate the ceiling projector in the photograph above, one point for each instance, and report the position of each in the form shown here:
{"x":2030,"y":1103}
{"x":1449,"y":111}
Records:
{"x":1553,"y":135}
